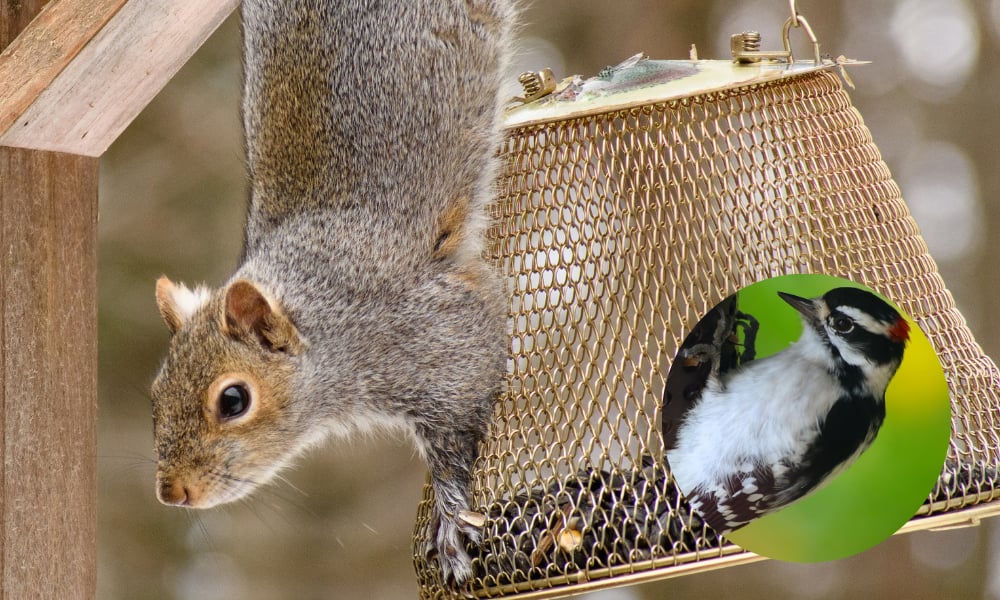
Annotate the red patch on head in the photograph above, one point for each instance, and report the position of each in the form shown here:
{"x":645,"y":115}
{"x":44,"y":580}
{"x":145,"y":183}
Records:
{"x":900,"y":331}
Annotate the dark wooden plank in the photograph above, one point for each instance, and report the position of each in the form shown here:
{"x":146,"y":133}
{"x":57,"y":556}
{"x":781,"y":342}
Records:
{"x":15,"y":16}
{"x":48,"y":374}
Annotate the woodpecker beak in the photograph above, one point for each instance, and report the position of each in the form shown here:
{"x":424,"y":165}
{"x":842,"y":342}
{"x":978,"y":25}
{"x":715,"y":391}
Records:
{"x":805,"y":306}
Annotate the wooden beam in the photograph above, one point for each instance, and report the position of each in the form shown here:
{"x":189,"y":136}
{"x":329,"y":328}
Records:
{"x":83,"y":69}
{"x":48,"y":374}
{"x":33,"y":60}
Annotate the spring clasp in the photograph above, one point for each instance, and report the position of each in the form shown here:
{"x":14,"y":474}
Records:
{"x":745,"y":46}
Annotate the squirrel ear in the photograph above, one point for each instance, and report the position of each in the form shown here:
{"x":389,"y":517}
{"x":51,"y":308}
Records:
{"x":177,"y":303}
{"x":249,"y":312}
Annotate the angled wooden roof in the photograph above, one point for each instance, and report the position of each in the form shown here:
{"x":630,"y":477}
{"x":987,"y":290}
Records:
{"x":75,"y":78}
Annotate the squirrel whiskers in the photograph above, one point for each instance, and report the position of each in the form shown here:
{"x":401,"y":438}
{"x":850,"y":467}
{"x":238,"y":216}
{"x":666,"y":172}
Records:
{"x":362,"y":298}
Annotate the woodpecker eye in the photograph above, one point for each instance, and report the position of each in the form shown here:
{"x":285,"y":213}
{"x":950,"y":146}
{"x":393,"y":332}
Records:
{"x":233,"y":402}
{"x":842,"y":324}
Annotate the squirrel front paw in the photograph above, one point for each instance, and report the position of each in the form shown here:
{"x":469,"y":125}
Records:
{"x":450,"y":454}
{"x":449,"y":545}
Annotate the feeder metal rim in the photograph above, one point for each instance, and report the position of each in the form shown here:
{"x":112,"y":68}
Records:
{"x":584,"y":581}
{"x":953,"y":519}
{"x":727,"y":555}
{"x":641,"y":81}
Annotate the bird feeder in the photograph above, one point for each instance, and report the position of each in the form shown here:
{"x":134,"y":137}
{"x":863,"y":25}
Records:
{"x":629,"y":205}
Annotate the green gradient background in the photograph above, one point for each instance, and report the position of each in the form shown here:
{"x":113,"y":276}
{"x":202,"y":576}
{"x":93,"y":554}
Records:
{"x":868,"y":502}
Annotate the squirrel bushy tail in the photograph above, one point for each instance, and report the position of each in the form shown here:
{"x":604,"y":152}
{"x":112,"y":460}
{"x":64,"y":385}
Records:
{"x":362,"y":298}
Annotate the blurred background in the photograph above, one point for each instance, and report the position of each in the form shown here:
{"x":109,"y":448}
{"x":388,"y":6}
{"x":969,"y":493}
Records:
{"x":172,"y":201}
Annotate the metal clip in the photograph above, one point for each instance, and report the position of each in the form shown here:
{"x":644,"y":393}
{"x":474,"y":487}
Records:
{"x":745,"y":47}
{"x":536,"y":85}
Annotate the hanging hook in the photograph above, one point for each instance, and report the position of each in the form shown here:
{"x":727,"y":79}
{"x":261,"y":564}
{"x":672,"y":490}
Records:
{"x":745,"y":46}
{"x":799,"y":21}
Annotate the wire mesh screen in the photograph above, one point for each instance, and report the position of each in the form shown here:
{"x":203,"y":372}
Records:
{"x":617,"y":232}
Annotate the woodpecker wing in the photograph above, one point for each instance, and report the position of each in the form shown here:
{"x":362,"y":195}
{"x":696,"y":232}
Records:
{"x":731,"y":504}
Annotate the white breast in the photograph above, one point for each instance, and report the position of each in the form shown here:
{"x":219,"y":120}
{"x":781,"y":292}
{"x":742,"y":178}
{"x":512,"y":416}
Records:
{"x":763,"y":413}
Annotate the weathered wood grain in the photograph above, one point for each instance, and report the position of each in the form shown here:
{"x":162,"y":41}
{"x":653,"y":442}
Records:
{"x":33,"y":59}
{"x":101,"y":86}
{"x":48,"y":374}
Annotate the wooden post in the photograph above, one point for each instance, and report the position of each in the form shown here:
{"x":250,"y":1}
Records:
{"x":48,"y":365}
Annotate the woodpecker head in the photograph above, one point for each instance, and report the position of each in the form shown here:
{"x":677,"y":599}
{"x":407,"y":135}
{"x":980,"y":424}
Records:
{"x":860,"y":331}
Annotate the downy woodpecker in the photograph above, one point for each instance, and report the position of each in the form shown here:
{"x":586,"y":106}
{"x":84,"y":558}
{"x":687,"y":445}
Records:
{"x":775,"y":429}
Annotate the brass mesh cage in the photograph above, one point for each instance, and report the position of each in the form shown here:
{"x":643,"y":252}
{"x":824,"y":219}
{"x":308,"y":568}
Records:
{"x":617,"y":231}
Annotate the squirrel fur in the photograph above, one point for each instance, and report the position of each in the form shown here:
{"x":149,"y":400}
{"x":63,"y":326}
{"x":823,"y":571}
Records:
{"x":362,"y":298}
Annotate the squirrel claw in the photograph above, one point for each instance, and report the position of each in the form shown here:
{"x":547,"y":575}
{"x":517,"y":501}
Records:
{"x":448,"y":548}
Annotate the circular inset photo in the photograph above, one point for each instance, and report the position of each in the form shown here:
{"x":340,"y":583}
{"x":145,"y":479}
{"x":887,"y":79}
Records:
{"x":806,"y":418}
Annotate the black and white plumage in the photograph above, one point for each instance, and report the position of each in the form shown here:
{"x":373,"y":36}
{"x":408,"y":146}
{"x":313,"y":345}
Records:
{"x":775,"y":429}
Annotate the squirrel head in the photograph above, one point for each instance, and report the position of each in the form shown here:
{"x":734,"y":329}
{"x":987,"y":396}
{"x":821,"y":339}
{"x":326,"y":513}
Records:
{"x":221,"y":397}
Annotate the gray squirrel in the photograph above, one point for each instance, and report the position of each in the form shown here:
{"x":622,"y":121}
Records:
{"x":362,"y":298}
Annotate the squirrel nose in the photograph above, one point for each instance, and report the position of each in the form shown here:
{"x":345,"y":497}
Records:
{"x":174,"y":493}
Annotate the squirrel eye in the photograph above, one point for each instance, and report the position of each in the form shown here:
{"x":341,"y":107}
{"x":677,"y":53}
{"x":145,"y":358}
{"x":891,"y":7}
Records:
{"x":233,"y":402}
{"x":842,"y":325}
